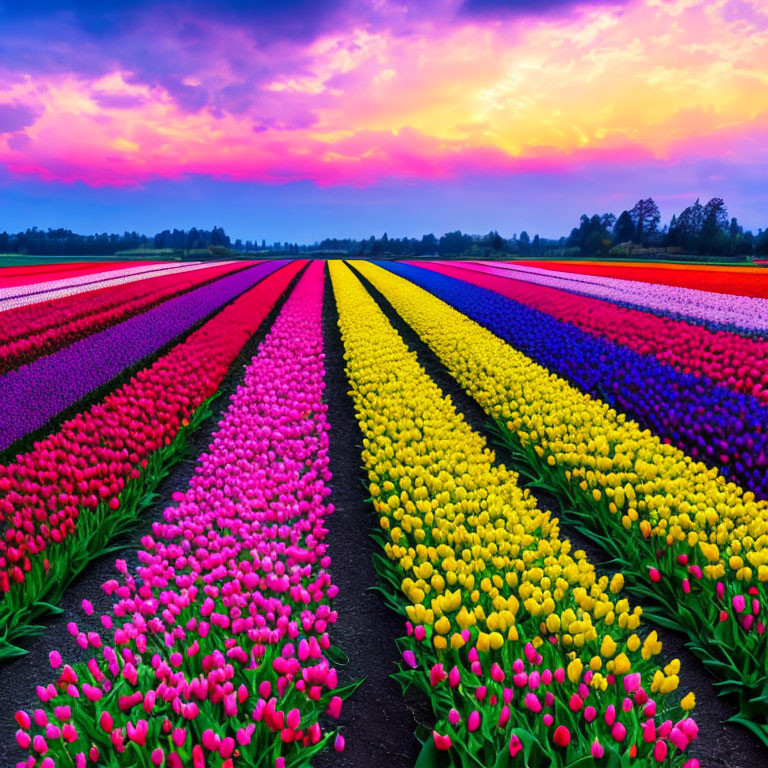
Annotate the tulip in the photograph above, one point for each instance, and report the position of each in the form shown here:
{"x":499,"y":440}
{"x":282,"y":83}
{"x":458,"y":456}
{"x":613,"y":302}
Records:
{"x":179,"y":737}
{"x":442,"y":743}
{"x":561,"y":736}
{"x":632,"y":682}
{"x":23,"y":739}
{"x":334,"y":707}
{"x":618,"y":731}
{"x":436,"y":674}
{"x":106,"y":722}
{"x":575,"y":703}
{"x":532,"y":702}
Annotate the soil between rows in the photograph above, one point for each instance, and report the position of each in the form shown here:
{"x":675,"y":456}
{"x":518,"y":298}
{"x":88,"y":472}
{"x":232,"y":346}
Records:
{"x":19,"y":677}
{"x":377,"y":722}
{"x":720,"y":744}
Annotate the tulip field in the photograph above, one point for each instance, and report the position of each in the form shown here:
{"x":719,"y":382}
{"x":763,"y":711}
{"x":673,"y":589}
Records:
{"x":434,"y":514}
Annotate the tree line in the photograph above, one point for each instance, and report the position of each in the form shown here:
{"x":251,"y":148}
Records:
{"x":700,"y":229}
{"x":64,"y":242}
{"x":704,"y":230}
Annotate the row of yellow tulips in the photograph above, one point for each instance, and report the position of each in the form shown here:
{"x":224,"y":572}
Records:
{"x":695,"y":544}
{"x":521,"y":647}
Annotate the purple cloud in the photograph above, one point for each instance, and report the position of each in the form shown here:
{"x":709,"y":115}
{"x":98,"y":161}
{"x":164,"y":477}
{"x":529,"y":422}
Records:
{"x":497,"y":8}
{"x":14,"y":117}
{"x":117,"y":100}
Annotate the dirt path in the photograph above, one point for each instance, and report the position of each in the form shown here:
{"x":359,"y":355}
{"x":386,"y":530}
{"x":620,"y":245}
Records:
{"x":377,"y":723}
{"x":720,"y":744}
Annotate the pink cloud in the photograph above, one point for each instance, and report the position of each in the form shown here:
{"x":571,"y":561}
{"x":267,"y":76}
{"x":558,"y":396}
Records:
{"x":391,"y":95}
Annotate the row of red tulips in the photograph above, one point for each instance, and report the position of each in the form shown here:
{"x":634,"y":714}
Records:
{"x":33,"y":330}
{"x":737,"y":280}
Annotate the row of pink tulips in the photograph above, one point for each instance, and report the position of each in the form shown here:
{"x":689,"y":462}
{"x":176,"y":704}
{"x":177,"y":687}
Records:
{"x":744,"y":313}
{"x":214,"y":654}
{"x":69,"y":487}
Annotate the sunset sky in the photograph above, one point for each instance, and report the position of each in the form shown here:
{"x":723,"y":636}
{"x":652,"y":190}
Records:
{"x":300,"y":119}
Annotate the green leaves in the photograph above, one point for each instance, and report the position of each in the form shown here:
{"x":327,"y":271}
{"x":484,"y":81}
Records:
{"x":533,"y":754}
{"x":430,"y":756}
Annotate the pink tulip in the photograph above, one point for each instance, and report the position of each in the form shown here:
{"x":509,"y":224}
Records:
{"x":105,"y":721}
{"x":618,"y":731}
{"x":334,"y":707}
{"x":532,"y":702}
{"x":576,"y":703}
{"x":442,"y":743}
{"x":437,"y":674}
{"x":23,"y":739}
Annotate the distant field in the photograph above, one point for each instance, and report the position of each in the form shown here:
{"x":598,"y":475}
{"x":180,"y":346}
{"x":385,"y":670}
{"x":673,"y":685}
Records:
{"x":17,"y":260}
